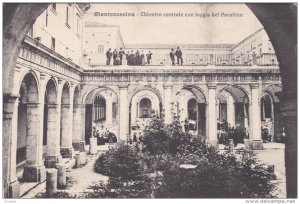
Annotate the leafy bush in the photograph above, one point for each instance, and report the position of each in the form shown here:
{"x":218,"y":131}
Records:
{"x":216,"y":176}
{"x":120,"y":162}
{"x":60,"y":194}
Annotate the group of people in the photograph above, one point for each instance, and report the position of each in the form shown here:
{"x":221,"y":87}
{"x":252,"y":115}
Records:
{"x":137,"y":58}
{"x":105,"y":137}
{"x":177,"y":54}
{"x":227,"y":132}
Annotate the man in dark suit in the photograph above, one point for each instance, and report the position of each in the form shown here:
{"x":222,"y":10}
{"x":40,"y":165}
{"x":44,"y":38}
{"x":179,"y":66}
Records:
{"x":178,"y":54}
{"x":108,"y":56}
{"x":121,"y":53}
{"x":172,"y":56}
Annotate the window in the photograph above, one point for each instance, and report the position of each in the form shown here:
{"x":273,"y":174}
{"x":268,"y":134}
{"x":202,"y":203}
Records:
{"x":53,"y":43}
{"x":46,"y":18}
{"x":78,"y":26}
{"x":67,"y":16}
{"x":100,"y":48}
{"x":145,"y":108}
{"x":99,"y":109}
{"x":30,"y":33}
{"x":53,"y":6}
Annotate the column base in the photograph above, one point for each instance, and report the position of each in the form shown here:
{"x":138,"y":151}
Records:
{"x":79,"y":146}
{"x":14,"y":190}
{"x":253,"y":144}
{"x":66,"y":152}
{"x":214,"y":144}
{"x":51,"y":161}
{"x":34,"y":173}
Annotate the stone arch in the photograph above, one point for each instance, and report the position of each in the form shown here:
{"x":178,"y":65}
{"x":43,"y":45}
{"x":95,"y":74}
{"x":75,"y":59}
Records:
{"x":51,"y":126}
{"x":149,"y":88}
{"x":27,"y":152}
{"x":138,"y":123}
{"x":88,"y":96}
{"x":66,"y":122}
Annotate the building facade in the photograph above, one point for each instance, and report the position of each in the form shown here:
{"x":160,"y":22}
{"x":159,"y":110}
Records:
{"x":59,"y":96}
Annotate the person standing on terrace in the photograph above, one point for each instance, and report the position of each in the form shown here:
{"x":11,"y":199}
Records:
{"x":121,"y":53}
{"x":115,"y":55}
{"x":149,"y":57}
{"x":108,"y":56}
{"x":178,"y":54}
{"x":172,"y":56}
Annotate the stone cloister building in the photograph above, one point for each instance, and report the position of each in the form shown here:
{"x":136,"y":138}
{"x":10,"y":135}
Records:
{"x":57,"y":100}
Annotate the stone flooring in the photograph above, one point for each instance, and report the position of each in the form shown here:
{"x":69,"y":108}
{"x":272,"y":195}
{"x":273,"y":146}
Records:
{"x":79,"y":179}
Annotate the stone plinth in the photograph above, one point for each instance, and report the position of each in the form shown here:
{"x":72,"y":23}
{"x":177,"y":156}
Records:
{"x":51,"y":182}
{"x":93,"y":145}
{"x":14,"y":190}
{"x":66,"y":152}
{"x":79,"y":146}
{"x":34,"y":173}
{"x":61,"y":175}
{"x":51,"y":161}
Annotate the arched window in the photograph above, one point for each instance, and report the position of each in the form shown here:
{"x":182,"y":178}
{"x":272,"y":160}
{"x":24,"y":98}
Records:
{"x":192,"y":109}
{"x":99,"y":109}
{"x":145,"y":108}
{"x":266,"y":107}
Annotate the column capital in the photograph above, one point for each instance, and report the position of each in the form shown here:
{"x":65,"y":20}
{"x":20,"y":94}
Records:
{"x":254,"y":86}
{"x":60,"y":80}
{"x":65,"y":105}
{"x":9,"y":102}
{"x":43,"y":76}
{"x":10,"y":98}
{"x":33,"y":105}
{"x":78,"y":105}
{"x":168,"y":86}
{"x":211,"y":85}
{"x":52,"y":105}
{"x":123,"y":86}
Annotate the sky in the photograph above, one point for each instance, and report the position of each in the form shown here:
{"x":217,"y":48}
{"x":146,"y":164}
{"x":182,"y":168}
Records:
{"x":179,"y":30}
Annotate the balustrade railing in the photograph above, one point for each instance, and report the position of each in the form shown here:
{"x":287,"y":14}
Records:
{"x":96,"y":60}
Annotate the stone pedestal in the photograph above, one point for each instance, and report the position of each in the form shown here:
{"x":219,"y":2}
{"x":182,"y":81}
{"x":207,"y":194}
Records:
{"x":93,"y":145}
{"x":66,"y":152}
{"x":61,"y":176}
{"x":14,"y":190}
{"x":51,"y":161}
{"x":256,"y":144}
{"x":78,"y":145}
{"x":51,"y":182}
{"x":34,"y":173}
{"x":253,"y":144}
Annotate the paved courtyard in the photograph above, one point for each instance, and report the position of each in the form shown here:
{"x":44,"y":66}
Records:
{"x":80,"y":179}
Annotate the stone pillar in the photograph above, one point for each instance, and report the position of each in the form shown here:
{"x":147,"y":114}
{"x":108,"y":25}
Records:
{"x":288,"y":109}
{"x":168,"y":100}
{"x":34,"y":171}
{"x":77,"y":140}
{"x":109,"y":111}
{"x":53,"y":156}
{"x":124,"y":115}
{"x":66,"y":148}
{"x":51,"y":182}
{"x":9,"y":148}
{"x":93,"y":145}
{"x":255,"y":121}
{"x":212,"y":118}
{"x":230,"y":111}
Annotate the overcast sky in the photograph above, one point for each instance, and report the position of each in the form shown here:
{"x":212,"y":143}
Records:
{"x":170,"y":30}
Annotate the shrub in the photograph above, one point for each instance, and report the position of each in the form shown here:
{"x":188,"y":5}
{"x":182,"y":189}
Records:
{"x":216,"y":176}
{"x":122,"y":162}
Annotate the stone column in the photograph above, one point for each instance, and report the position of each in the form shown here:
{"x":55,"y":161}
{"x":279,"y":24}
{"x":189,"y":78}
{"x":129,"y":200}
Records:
{"x":124,"y":115}
{"x":212,"y":119}
{"x":168,"y":100}
{"x":230,"y":111}
{"x":9,"y":146}
{"x":66,"y":148}
{"x":34,"y":170}
{"x":109,"y":111}
{"x":77,"y":140}
{"x":53,"y":156}
{"x":288,"y":109}
{"x":255,"y":121}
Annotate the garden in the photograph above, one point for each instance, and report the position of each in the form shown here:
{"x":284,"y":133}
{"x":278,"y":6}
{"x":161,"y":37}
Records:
{"x":170,"y":163}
